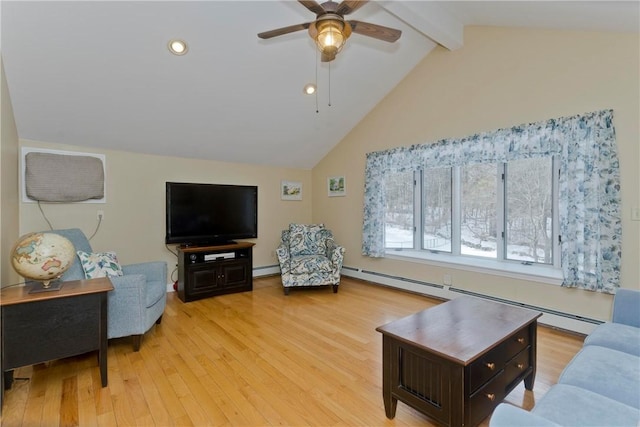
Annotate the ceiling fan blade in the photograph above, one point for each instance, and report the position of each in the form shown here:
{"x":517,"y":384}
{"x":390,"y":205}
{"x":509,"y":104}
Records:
{"x":313,"y":6}
{"x":283,"y":30}
{"x":376,"y":31}
{"x":348,"y":6}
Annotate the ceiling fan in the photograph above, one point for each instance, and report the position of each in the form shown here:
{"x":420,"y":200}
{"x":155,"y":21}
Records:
{"x":330,"y":30}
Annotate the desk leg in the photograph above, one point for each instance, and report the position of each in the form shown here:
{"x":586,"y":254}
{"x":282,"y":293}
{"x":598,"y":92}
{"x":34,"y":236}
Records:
{"x":8,"y":379}
{"x":389,"y":368}
{"x":102,"y":353}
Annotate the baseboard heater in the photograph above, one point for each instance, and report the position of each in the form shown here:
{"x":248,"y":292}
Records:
{"x":558,"y":319}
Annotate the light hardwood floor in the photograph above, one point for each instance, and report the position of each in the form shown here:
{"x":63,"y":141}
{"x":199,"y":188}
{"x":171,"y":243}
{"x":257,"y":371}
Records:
{"x":259,"y":358}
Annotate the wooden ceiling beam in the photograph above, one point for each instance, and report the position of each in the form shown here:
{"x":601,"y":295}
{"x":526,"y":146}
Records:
{"x":429,"y":19}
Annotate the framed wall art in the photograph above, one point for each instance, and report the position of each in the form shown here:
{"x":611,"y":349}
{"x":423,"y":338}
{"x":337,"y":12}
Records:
{"x":290,"y":190}
{"x":336,"y":186}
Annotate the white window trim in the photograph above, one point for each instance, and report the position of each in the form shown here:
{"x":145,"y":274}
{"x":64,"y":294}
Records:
{"x":538,"y":273}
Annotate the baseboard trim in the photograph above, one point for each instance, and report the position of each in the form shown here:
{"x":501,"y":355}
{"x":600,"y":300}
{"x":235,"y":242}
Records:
{"x":553,"y":318}
{"x":267,"y":270}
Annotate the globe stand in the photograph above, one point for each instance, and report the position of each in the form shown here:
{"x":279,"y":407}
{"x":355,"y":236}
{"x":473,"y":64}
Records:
{"x":46,"y":286}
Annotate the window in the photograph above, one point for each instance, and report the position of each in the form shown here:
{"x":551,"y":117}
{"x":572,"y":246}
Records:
{"x":576,"y":228}
{"x":529,"y":210}
{"x":399,"y":210}
{"x":436,"y":205}
{"x":503,"y":212}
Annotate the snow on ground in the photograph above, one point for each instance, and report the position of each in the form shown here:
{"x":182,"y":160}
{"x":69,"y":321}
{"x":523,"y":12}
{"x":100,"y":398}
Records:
{"x":398,"y":238}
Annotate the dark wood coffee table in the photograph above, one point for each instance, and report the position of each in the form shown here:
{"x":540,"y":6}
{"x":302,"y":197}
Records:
{"x":456,"y":361}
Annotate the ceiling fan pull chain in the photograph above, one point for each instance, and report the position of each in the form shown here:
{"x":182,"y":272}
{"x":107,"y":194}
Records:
{"x":317,"y":53}
{"x":329,"y":84}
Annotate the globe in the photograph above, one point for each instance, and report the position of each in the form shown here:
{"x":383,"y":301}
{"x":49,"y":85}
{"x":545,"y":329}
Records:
{"x":42,"y":256}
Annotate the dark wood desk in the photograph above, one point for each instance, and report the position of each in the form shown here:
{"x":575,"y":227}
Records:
{"x":52,"y":325}
{"x":456,"y":361}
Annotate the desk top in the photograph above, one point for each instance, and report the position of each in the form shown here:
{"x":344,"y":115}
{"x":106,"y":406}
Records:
{"x":461,"y":329}
{"x":20,"y":294}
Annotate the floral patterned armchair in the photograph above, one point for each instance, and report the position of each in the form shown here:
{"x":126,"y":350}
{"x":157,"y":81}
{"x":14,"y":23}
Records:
{"x":309,"y":256}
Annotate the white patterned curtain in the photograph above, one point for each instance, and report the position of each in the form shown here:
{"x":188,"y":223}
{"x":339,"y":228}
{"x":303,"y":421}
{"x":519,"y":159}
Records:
{"x":589,"y":187}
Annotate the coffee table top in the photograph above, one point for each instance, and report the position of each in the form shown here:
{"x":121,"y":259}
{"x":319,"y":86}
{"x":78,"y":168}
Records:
{"x":462,"y":329}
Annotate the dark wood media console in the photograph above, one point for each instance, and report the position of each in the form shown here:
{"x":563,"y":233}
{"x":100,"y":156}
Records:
{"x":206,"y":271}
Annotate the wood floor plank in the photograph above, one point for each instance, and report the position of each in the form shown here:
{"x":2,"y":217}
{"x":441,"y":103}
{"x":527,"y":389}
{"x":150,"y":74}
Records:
{"x":260,"y":358}
{"x":69,"y":402}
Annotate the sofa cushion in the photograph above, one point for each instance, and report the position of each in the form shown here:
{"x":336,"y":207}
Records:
{"x":617,"y":337}
{"x":568,"y":405}
{"x":607,"y":372}
{"x":507,"y":415}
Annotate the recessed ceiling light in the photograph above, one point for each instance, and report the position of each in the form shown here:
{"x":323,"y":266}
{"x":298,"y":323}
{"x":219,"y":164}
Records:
{"x":178,"y":47}
{"x":309,"y":89}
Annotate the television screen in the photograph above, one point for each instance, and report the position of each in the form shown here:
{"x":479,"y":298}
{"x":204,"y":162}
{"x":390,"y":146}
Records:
{"x":201,"y":214}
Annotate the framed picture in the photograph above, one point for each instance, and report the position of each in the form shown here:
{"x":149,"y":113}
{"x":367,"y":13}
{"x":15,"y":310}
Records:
{"x":336,"y":186}
{"x":290,"y":190}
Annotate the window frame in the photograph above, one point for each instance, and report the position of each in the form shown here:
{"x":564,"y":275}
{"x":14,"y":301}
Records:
{"x":502,"y":266}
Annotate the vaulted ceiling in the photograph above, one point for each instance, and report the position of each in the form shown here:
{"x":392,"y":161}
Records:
{"x":98,"y":74}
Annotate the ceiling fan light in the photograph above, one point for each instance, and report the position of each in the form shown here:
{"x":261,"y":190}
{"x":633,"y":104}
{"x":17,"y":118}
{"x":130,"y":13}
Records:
{"x":331,"y":36}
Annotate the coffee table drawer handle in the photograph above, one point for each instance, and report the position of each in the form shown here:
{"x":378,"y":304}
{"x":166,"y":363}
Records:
{"x":520,"y":340}
{"x":520,"y":366}
{"x":491,"y":396}
{"x":490,"y":365}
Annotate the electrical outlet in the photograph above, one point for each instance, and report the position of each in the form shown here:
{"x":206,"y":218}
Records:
{"x":100,"y":215}
{"x":635,"y":214}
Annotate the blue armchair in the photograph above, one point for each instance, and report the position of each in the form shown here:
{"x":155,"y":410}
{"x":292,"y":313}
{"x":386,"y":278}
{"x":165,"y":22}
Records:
{"x":309,"y":256}
{"x":139,"y":296}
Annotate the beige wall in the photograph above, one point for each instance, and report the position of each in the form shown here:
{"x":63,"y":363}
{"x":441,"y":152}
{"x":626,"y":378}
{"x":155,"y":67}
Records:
{"x":8,"y":184}
{"x":134,"y":215}
{"x":501,"y":77}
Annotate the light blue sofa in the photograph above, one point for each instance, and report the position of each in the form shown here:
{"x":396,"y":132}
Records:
{"x":139,"y":296}
{"x":601,"y":384}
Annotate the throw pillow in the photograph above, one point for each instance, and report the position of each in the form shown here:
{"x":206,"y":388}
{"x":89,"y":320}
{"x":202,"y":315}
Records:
{"x":103,"y":264}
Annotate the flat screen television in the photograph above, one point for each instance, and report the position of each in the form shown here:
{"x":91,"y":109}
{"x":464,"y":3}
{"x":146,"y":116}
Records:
{"x":210,"y":214}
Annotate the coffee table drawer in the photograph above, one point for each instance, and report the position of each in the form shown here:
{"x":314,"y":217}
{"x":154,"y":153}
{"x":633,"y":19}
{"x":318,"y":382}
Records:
{"x":516,"y":343}
{"x":483,"y":401}
{"x":488,"y":365}
{"x":517,"y":366}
